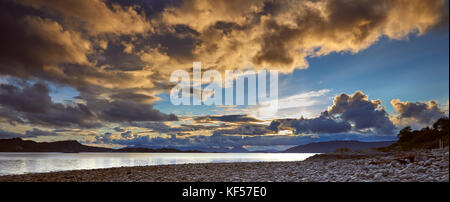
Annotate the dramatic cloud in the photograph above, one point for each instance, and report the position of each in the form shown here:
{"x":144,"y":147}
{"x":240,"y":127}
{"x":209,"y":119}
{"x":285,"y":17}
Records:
{"x":7,"y":134}
{"x":37,"y":46}
{"x":59,"y":42}
{"x":412,"y":113}
{"x":119,"y":129}
{"x":118,"y":55}
{"x":227,"y":118}
{"x":163,"y":128}
{"x":197,"y":13}
{"x":38,"y":132}
{"x":28,"y":134}
{"x":246,"y":129}
{"x":127,"y":135}
{"x":281,"y":34}
{"x":123,"y":111}
{"x":307,"y":104}
{"x":32,"y":45}
{"x":349,"y":113}
{"x":321,"y":124}
{"x":34,"y":104}
{"x":10,"y":116}
{"x":94,"y":42}
{"x":365,"y":114}
{"x":96,"y":15}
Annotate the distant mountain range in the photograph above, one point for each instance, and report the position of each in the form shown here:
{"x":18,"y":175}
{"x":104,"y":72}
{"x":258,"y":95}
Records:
{"x":72,"y":146}
{"x":19,"y":145}
{"x":148,"y":150}
{"x":68,"y":146}
{"x":327,"y":147}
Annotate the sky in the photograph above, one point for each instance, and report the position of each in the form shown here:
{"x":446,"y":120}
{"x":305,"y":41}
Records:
{"x":99,"y":71}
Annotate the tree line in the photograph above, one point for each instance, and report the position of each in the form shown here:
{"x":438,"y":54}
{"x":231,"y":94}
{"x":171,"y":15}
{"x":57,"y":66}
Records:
{"x":432,"y":137}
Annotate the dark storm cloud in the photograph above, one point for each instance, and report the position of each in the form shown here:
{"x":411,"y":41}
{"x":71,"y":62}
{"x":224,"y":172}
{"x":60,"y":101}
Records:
{"x":104,"y":139}
{"x":7,"y":134}
{"x":137,"y":97}
{"x":114,"y":57}
{"x":33,"y":99}
{"x":95,"y":16}
{"x":10,"y":116}
{"x":122,"y":111}
{"x":33,"y":104}
{"x":246,"y":129}
{"x":178,"y":45}
{"x":108,"y":39}
{"x":283,"y":33}
{"x":28,"y":134}
{"x":160,"y":127}
{"x":348,"y":113}
{"x":44,"y":40}
{"x":38,"y":133}
{"x":364,"y":113}
{"x":320,"y":124}
{"x":31,"y":44}
{"x":35,"y":45}
{"x":227,"y":118}
{"x":128,"y":134}
{"x":423,"y":113}
{"x":118,"y":129}
{"x":348,"y":25}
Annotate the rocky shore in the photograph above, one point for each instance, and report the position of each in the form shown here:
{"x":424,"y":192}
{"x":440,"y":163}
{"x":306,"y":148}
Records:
{"x":414,"y":166}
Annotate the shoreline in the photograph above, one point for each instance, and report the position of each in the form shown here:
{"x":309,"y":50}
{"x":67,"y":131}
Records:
{"x":413,"y":166}
{"x":124,"y":167}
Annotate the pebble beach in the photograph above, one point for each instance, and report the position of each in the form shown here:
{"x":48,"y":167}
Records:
{"x":413,"y":166}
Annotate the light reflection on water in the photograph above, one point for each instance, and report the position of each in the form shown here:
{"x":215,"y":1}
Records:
{"x":19,"y":163}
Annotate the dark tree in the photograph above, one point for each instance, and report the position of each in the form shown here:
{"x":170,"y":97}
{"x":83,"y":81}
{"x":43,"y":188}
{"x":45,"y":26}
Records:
{"x":405,"y":134}
{"x":425,"y":138}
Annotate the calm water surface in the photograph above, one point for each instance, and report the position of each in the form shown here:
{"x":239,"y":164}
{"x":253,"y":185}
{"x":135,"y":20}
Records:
{"x":20,"y":163}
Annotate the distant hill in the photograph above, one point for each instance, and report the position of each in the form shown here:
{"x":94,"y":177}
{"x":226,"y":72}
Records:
{"x":225,"y":150}
{"x":69,"y":146}
{"x":19,"y":145}
{"x":265,"y":151}
{"x":327,"y":147}
{"x":72,"y":146}
{"x":148,"y":150}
